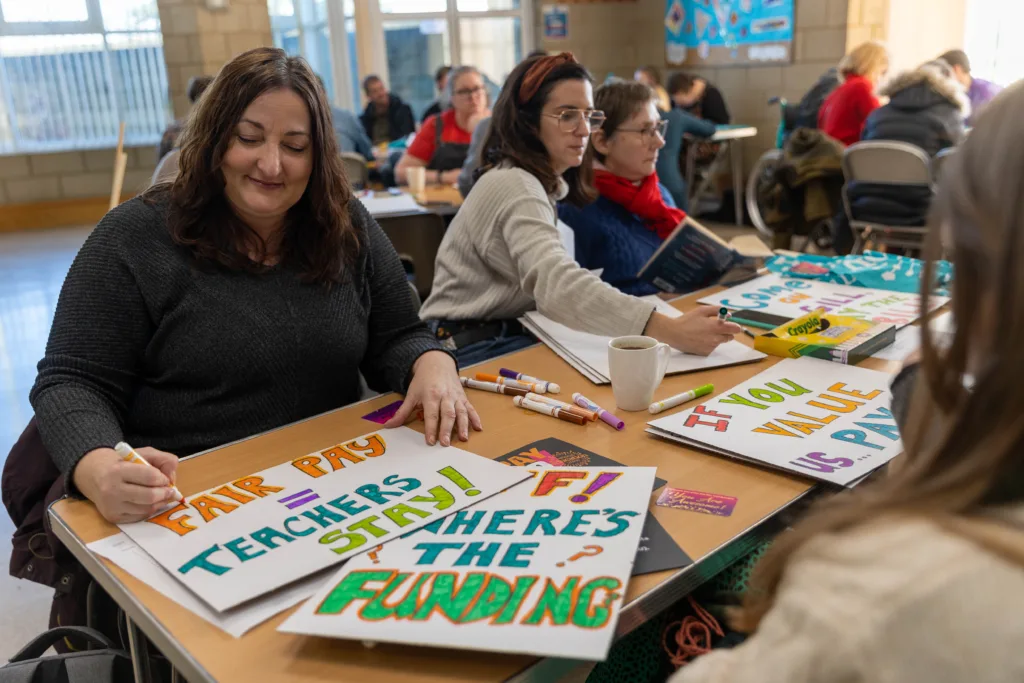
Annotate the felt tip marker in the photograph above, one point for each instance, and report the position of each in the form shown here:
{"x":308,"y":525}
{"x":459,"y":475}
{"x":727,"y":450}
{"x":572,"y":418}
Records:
{"x":529,"y":386}
{"x":606,"y":417}
{"x":582,"y":412}
{"x":553,"y":411}
{"x":723,"y":314}
{"x":492,"y":387}
{"x":679,"y":399}
{"x":128,"y":454}
{"x":550,"y":387}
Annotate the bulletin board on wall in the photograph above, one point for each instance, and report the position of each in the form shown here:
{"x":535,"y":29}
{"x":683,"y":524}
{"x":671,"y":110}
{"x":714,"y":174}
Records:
{"x":728,"y":32}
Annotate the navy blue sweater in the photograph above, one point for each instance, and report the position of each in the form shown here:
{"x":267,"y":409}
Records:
{"x":610,"y":237}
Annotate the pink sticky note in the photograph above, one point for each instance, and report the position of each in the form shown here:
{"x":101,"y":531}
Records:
{"x":697,"y":501}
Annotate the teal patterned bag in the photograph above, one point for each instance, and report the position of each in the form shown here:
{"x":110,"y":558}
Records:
{"x":870,"y":269}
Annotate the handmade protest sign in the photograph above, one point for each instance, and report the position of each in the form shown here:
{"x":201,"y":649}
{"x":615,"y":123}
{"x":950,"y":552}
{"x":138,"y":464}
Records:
{"x":656,"y":551}
{"x":812,"y":417}
{"x":242,"y":539}
{"x":774,"y":300}
{"x":540,"y":569}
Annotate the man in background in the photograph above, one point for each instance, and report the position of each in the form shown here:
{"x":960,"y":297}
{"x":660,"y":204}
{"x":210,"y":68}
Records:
{"x":169,"y":140}
{"x":348,"y":130}
{"x":439,"y":105}
{"x":979,"y":91}
{"x":386,"y":117}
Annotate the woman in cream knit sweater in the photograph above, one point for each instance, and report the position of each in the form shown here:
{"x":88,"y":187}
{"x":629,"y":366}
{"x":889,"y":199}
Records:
{"x":919,"y":577}
{"x":502,"y":255}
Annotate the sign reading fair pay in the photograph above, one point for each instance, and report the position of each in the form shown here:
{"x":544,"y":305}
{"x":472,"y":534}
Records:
{"x":242,"y":539}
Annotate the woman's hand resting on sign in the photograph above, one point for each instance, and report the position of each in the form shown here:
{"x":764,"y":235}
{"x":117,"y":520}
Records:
{"x":698,"y":332}
{"x":436,"y":387}
{"x":126,"y":491}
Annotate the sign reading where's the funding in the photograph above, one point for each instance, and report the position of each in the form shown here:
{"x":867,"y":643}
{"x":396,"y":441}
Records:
{"x":812,"y":417}
{"x":242,"y":539}
{"x":540,"y":569}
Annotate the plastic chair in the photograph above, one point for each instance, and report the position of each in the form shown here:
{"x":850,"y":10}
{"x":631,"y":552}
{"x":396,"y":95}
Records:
{"x":885,"y":162}
{"x":937,"y":161}
{"x":167,"y":169}
{"x":416,"y":237}
{"x":356,"y":170}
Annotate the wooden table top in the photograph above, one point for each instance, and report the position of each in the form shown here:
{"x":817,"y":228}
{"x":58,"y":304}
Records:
{"x":263,"y":653}
{"x":439,"y":194}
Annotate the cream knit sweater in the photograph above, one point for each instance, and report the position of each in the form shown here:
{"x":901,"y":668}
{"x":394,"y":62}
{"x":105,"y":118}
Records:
{"x":502,"y":256}
{"x":899,"y":601}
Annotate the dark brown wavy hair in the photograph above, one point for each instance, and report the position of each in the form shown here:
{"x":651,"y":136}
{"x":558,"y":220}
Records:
{"x":514,"y":134}
{"x":319,"y":239}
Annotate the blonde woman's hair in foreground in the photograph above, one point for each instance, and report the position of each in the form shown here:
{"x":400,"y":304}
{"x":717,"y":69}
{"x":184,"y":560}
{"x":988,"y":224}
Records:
{"x":964,"y":450}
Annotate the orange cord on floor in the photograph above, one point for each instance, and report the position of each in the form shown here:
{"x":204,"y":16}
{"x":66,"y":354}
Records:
{"x":692,"y":635}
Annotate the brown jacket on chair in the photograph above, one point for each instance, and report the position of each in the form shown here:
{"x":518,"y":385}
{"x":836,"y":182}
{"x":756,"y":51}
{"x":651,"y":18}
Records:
{"x":807,"y":184}
{"x":30,"y":484}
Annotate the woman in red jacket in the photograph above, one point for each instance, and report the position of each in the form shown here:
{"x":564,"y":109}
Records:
{"x":843,"y":114}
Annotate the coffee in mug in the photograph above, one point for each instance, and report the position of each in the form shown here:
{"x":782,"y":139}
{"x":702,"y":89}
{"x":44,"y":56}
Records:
{"x":636,"y":365}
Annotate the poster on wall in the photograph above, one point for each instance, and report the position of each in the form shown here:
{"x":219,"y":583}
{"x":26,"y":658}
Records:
{"x":249,"y":536}
{"x":728,"y":32}
{"x":540,"y":569}
{"x":556,"y":22}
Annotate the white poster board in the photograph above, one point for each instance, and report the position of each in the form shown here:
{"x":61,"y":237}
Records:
{"x":788,"y":298}
{"x":541,"y":569}
{"x":250,"y":536}
{"x":812,"y":417}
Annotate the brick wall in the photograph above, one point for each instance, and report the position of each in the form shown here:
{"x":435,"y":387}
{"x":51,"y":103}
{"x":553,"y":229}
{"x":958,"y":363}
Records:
{"x":71,"y":175}
{"x":617,"y":37}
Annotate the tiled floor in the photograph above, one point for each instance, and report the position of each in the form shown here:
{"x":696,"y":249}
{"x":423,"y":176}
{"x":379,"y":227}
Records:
{"x":32,"y":268}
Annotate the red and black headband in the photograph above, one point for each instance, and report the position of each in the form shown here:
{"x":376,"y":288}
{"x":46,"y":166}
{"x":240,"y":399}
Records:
{"x":539,"y":71}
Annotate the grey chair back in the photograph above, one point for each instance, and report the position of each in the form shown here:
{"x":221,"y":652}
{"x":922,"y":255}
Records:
{"x":167,"y":168}
{"x":938,"y":161}
{"x":356,"y":169}
{"x":885,"y":162}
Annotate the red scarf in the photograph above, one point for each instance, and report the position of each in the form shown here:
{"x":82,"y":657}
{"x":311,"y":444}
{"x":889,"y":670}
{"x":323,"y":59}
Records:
{"x":644,"y":201}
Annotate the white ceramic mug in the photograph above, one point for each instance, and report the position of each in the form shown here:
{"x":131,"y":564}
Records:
{"x":636,"y":365}
{"x":417,"y":176}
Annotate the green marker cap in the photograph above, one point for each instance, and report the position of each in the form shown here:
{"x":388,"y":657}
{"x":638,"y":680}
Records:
{"x":704,"y":390}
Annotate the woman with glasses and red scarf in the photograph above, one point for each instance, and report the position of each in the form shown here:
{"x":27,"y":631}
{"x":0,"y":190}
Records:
{"x":502,"y":255}
{"x":620,"y":231}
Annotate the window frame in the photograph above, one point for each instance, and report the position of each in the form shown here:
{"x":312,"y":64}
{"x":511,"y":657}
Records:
{"x":92,"y":24}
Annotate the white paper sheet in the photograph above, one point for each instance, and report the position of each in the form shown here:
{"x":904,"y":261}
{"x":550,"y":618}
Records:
{"x":811,"y":417}
{"x":791,"y":298}
{"x":126,"y":554}
{"x":383,"y":203}
{"x":908,"y":339}
{"x":541,"y":569}
{"x":588,"y":353}
{"x":245,"y":538}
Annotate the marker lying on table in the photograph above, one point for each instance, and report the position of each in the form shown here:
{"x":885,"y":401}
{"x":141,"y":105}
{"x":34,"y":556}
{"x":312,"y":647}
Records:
{"x":128,"y":454}
{"x":606,"y":417}
{"x":582,"y":412}
{"x":550,"y":387}
{"x":492,"y":387}
{"x":529,"y":386}
{"x":673,"y":401}
{"x":553,"y":411}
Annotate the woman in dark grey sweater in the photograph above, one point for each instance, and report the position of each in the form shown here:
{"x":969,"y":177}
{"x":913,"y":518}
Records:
{"x":247,"y":295}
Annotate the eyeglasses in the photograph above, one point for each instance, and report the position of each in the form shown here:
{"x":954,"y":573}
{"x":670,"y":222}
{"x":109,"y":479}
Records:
{"x":469,"y":92}
{"x":648,"y":132}
{"x":570,"y":119}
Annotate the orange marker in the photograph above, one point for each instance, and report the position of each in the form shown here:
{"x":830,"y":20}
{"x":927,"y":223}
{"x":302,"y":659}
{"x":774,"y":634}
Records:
{"x":128,"y":454}
{"x":529,"y":386}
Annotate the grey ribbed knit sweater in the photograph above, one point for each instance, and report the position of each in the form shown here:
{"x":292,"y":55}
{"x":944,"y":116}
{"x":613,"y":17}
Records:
{"x":148,"y":348}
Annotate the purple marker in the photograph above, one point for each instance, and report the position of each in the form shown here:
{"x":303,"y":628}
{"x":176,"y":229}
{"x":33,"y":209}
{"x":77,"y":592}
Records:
{"x":549,"y":387}
{"x":606,"y":417}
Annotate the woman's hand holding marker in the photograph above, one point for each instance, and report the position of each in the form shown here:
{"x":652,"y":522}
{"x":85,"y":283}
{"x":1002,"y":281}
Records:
{"x":127,"y":489}
{"x":699,"y":332}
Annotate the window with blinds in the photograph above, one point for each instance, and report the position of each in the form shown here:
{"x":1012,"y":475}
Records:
{"x":68,"y":84}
